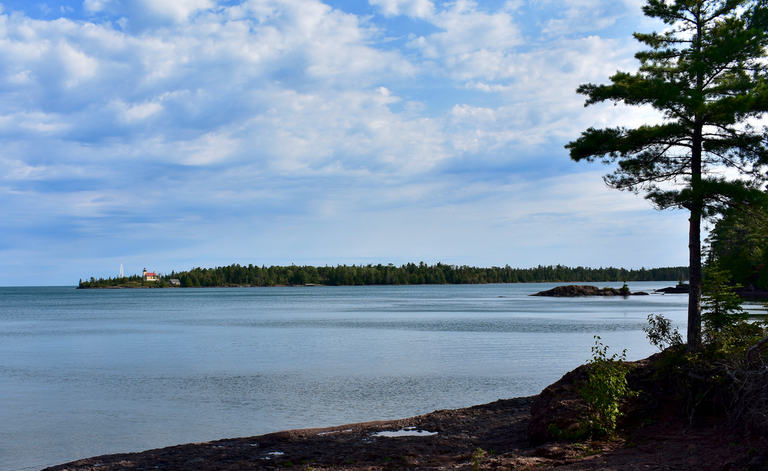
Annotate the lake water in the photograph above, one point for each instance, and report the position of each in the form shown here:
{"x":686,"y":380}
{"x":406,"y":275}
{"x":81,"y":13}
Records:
{"x":90,"y":372}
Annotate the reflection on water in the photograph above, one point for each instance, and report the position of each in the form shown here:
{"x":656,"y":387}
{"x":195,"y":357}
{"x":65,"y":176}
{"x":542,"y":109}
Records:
{"x":88,"y":372}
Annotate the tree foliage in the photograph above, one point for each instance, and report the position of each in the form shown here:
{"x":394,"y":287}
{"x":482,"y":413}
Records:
{"x":706,"y":76}
{"x":738,"y":243}
{"x":722,"y":307}
{"x":660,"y":332}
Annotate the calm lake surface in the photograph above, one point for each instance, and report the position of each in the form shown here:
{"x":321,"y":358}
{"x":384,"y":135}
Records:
{"x":91,"y":372}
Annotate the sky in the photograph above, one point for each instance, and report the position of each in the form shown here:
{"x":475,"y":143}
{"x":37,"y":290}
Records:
{"x":172,"y":134}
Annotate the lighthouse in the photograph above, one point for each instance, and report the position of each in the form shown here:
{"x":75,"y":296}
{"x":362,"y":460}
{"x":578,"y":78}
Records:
{"x":148,"y":276}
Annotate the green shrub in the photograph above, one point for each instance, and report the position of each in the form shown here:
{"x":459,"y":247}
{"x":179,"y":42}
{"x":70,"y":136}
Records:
{"x":478,"y":457}
{"x":660,"y":333}
{"x":604,"y":388}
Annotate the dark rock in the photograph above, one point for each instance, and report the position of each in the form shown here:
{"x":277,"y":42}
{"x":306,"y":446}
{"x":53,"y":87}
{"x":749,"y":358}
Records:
{"x":574,"y":291}
{"x":558,"y":407}
{"x":752,"y":294}
{"x":552,"y":452}
{"x":679,"y":289}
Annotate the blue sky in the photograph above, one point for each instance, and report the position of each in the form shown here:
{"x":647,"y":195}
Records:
{"x":169,"y":134}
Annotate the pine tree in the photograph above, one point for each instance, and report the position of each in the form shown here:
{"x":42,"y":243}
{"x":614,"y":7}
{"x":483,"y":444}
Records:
{"x":706,"y":77}
{"x":722,"y":307}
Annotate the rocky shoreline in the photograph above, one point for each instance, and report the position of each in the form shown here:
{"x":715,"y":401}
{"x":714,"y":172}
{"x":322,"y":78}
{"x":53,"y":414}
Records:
{"x":505,"y":434}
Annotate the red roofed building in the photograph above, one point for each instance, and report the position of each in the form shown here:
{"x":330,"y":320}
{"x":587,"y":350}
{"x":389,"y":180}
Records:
{"x":149,"y":276}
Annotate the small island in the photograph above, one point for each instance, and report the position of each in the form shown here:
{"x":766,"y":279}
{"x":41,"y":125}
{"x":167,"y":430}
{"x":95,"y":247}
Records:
{"x":576,"y":291}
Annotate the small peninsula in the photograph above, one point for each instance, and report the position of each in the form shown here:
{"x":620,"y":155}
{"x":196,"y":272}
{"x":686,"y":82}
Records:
{"x":360,"y":275}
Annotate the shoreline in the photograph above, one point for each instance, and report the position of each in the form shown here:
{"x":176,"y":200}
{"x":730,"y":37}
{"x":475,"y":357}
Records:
{"x":447,"y":436}
{"x":491,"y":436}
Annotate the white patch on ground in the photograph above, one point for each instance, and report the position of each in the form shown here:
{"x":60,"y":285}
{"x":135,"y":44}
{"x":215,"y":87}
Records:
{"x":405,"y":433}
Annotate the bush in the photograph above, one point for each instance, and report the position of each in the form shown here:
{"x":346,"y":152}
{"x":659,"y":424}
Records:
{"x":605,"y":387}
{"x":660,"y":333}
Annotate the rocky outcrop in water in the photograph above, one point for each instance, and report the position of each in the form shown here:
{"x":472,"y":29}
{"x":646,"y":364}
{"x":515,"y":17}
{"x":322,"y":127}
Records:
{"x":575,"y":291}
{"x":679,"y":289}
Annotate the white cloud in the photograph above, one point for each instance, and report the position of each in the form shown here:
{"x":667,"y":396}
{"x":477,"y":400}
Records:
{"x":42,"y":128}
{"x":95,"y":5}
{"x":29,"y":125}
{"x":138,"y":112}
{"x":178,"y":10}
{"x":18,"y":170}
{"x":494,"y":87}
{"x":414,"y":8}
{"x":79,"y":66}
{"x":150,"y":11}
{"x":472,"y":43}
{"x":343,"y":132}
{"x":582,"y":16}
{"x":291,"y":77}
{"x":537,"y":104}
{"x":208,"y":149}
{"x":20,"y":77}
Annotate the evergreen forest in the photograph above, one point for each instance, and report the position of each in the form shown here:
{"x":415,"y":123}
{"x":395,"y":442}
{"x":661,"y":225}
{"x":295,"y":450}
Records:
{"x":738,"y":245}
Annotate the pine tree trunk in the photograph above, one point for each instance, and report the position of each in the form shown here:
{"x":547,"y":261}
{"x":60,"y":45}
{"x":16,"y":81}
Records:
{"x":697,"y":205}
{"x":694,"y":241}
{"x":694,"y":281}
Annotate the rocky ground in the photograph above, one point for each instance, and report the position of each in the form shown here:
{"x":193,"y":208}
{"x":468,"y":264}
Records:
{"x":506,"y":434}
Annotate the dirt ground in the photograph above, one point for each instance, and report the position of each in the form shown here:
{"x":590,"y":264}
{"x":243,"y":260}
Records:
{"x":491,"y":436}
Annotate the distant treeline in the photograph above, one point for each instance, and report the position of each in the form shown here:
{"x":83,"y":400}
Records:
{"x":408,"y":274}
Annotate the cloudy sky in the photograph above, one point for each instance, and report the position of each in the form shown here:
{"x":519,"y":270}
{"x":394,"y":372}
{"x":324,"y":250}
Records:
{"x":169,"y":134}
